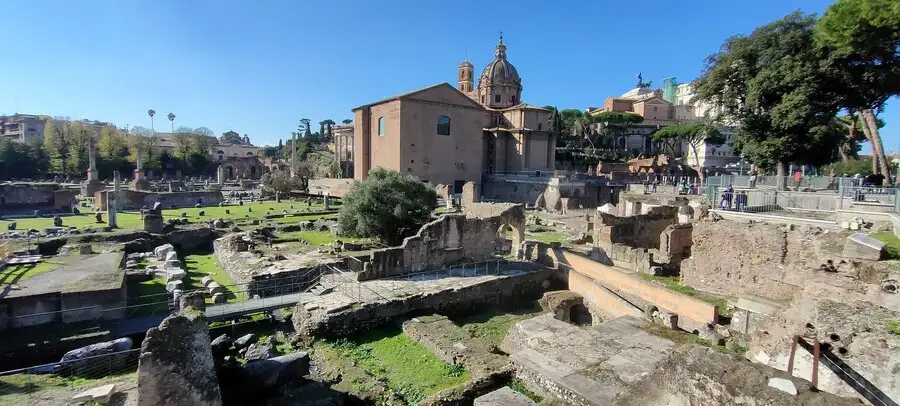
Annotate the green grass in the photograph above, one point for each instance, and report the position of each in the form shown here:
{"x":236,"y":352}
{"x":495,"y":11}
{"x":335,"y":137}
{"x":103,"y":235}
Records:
{"x":517,"y":386}
{"x":681,"y":336}
{"x":894,"y":326}
{"x":20,"y":272}
{"x":22,"y":389}
{"x":548,"y":237}
{"x":892,"y":243}
{"x":673,"y":283}
{"x":197,"y":266}
{"x":132,"y":219}
{"x":409,"y":368}
{"x":493,"y":324}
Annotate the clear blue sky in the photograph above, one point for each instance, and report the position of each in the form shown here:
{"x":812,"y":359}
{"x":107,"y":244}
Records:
{"x":257,"y":67}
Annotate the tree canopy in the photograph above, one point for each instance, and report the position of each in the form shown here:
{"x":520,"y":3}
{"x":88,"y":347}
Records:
{"x":863,"y":38}
{"x":694,"y":134}
{"x":778,"y":85}
{"x":387,"y":205}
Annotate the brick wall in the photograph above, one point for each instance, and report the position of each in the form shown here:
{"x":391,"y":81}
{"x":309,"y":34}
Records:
{"x":639,"y":231}
{"x":134,"y":200}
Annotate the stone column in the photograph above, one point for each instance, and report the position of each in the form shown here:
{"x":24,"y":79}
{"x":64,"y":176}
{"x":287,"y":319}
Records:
{"x":92,"y":163}
{"x":220,"y":175}
{"x":499,"y":140}
{"x":293,"y":153}
{"x":523,"y":140}
{"x":112,"y":200}
{"x":325,"y":200}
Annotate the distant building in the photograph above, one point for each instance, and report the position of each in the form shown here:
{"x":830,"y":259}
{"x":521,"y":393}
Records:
{"x":236,"y":147}
{"x":23,"y":127}
{"x":709,"y":155}
{"x":449,"y":136}
{"x":342,"y":142}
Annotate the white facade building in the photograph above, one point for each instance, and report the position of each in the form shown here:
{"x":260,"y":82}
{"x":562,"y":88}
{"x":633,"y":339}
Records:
{"x":687,"y":108}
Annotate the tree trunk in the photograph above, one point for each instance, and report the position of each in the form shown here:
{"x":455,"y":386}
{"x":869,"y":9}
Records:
{"x":781,"y":174}
{"x":870,"y":123}
{"x":844,"y":157}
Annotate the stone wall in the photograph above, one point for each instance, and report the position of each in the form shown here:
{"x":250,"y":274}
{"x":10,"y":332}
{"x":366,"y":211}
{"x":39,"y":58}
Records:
{"x":353,"y":318}
{"x":692,"y":312}
{"x":39,"y":196}
{"x":734,"y":259}
{"x":451,"y":239}
{"x":133,"y":200}
{"x":522,"y":189}
{"x":638,"y":231}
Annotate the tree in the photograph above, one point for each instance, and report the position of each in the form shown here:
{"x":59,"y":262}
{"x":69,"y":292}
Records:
{"x":57,"y":141}
{"x":112,"y":143}
{"x":694,"y":134}
{"x":614,"y":124}
{"x":269,"y":151}
{"x":20,"y":160}
{"x":171,"y":118}
{"x":283,"y":182}
{"x":182,"y":138}
{"x":81,"y":136}
{"x":304,"y":128}
{"x":387,"y":205}
{"x":203,"y":131}
{"x":776,"y":84}
{"x":864,"y":39}
{"x":346,"y":121}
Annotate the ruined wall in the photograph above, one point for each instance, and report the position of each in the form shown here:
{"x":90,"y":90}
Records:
{"x":35,"y":196}
{"x":350,"y":319}
{"x":453,"y":238}
{"x":133,"y":200}
{"x":732,"y":259}
{"x":639,"y":231}
{"x":691,"y":312}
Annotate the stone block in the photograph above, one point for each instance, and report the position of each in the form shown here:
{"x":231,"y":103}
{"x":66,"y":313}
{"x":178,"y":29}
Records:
{"x":218,"y":298}
{"x":171,"y":256}
{"x":175,"y":274}
{"x":503,"y":397}
{"x":85,"y":249}
{"x":172,"y":286}
{"x":862,"y":247}
{"x":100,"y":394}
{"x":162,"y":250}
{"x":783,"y":385}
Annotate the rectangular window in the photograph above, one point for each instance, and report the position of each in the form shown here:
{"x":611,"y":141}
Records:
{"x":539,"y":126}
{"x":381,"y":126}
{"x":496,"y":98}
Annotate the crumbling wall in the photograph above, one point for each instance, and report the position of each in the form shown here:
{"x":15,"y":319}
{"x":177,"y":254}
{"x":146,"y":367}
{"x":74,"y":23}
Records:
{"x":695,"y":375}
{"x":315,"y":322}
{"x":453,"y":238}
{"x":133,"y":199}
{"x":856,"y":334}
{"x":639,"y":231}
{"x":732,"y":259}
{"x":28,"y":196}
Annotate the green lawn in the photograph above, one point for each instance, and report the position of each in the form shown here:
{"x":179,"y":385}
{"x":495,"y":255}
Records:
{"x":132,"y":220}
{"x":493,"y":324}
{"x":548,"y":237}
{"x":409,"y":368}
{"x":18,"y":273}
{"x":673,"y":283}
{"x":199,"y":265}
{"x":892,"y":247}
{"x":24,"y":389}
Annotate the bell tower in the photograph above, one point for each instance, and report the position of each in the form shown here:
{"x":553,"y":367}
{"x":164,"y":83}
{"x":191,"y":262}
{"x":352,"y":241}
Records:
{"x":465,"y":78}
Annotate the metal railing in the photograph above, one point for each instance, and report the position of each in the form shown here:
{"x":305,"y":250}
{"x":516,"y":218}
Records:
{"x":58,"y":382}
{"x":853,"y":197}
{"x":770,"y":200}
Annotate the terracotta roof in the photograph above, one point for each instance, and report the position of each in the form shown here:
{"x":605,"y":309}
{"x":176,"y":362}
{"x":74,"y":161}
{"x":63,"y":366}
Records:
{"x":407,"y":94}
{"x":524,"y":106}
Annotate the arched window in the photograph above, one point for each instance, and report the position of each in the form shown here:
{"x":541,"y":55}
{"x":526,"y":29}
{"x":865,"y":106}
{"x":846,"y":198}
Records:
{"x":250,"y":153}
{"x":381,"y":126}
{"x":443,"y":125}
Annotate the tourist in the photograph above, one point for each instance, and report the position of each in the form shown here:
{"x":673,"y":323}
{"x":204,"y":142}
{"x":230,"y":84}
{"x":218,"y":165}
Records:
{"x":655,"y":184}
{"x":751,"y":183}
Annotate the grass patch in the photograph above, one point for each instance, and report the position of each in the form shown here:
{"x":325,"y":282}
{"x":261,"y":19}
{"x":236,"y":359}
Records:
{"x":410,"y":369}
{"x":197,"y":266}
{"x":673,"y":283}
{"x":680,"y":336}
{"x":132,"y":219}
{"x":20,"y":272}
{"x":548,"y":237}
{"x":892,"y":243}
{"x":317,"y":237}
{"x":894,"y":326}
{"x":493,"y":324}
{"x":20,"y":389}
{"x":517,"y":386}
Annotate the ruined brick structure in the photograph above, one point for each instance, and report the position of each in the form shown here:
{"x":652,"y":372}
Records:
{"x":453,"y":238}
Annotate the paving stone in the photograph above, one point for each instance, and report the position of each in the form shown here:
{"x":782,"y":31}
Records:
{"x":100,"y":394}
{"x":503,"y":397}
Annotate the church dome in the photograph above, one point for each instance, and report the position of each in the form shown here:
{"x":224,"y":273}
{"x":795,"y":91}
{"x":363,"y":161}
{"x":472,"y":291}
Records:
{"x":500,"y":71}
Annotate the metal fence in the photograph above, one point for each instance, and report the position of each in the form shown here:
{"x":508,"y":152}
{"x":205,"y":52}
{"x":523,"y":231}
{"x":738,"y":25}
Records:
{"x":771,"y":200}
{"x":858,"y":197}
{"x":58,"y":382}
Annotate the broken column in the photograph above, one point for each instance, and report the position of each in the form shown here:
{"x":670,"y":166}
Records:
{"x":176,"y":366}
{"x":112,"y":200}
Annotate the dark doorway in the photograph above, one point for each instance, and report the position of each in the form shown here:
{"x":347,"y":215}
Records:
{"x":458,"y":186}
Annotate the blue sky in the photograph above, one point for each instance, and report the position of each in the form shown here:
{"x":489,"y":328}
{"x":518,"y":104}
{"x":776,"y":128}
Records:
{"x":257,"y":67}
